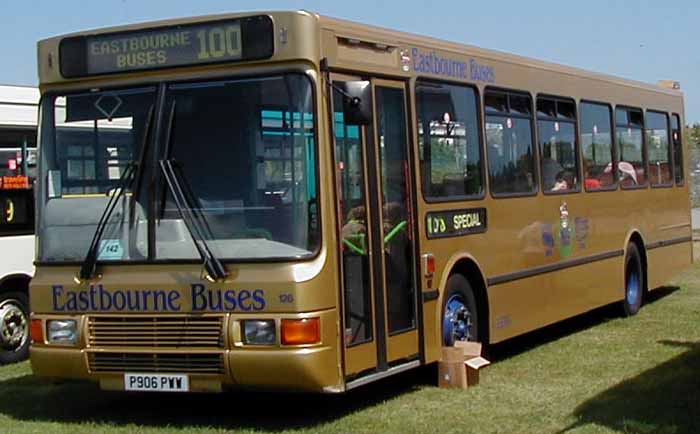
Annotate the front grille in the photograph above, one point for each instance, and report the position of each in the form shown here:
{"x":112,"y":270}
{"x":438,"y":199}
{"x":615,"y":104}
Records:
{"x":156,"y":332}
{"x":137,"y":362}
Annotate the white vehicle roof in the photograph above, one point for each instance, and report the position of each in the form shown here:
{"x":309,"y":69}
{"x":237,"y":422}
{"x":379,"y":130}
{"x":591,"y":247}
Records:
{"x":18,"y":105}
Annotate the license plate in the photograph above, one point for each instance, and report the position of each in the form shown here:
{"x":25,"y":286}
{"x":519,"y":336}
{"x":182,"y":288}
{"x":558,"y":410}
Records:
{"x":156,"y":382}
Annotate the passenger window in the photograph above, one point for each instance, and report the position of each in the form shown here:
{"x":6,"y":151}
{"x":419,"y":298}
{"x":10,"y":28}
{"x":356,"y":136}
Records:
{"x":556,"y":125}
{"x":509,"y":143}
{"x":658,"y":149}
{"x":677,"y":148}
{"x":448,"y":140}
{"x":596,"y":140}
{"x":496,"y":102}
{"x":631,"y":168}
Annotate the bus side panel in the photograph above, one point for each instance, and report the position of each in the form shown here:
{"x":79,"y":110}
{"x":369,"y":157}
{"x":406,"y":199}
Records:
{"x":523,"y":305}
{"x":666,"y":262}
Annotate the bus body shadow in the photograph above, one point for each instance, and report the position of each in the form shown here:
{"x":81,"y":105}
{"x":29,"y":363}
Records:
{"x":27,"y":398}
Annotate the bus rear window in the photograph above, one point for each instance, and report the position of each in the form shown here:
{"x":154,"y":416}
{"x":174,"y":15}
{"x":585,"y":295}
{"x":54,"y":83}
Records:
{"x":677,"y":148}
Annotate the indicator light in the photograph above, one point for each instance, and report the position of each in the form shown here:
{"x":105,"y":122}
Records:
{"x":37,"y":331}
{"x":428,"y":264}
{"x":301,"y":331}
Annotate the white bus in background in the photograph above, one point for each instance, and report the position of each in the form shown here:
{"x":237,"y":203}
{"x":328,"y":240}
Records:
{"x":18,"y":145}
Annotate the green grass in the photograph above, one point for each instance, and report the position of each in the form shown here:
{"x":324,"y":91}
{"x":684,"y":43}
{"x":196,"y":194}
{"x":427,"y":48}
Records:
{"x":595,"y":373}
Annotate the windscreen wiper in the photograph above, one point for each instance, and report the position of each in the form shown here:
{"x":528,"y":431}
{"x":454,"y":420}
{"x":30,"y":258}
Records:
{"x":188,"y":206}
{"x":139,"y":169}
{"x":194,"y":222}
{"x":87,"y":269}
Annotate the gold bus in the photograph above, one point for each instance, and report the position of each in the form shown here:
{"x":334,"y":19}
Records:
{"x":285,"y":200}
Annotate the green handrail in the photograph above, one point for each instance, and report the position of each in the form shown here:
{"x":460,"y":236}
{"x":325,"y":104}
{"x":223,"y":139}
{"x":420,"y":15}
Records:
{"x":395,"y":230}
{"x":354,"y":248}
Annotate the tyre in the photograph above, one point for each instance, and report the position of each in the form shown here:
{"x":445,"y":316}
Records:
{"x":14,"y":327}
{"x":459,"y":314}
{"x":634,"y":281}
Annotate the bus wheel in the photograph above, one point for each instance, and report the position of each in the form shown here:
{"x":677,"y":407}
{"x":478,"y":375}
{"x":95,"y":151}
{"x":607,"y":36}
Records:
{"x":14,"y":327}
{"x":459,"y":316}
{"x":634,"y":281}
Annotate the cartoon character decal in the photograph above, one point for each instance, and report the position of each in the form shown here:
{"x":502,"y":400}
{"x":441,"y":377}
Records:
{"x":563,"y":236}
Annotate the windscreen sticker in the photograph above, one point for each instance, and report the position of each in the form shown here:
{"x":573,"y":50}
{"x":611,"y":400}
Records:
{"x":111,"y":250}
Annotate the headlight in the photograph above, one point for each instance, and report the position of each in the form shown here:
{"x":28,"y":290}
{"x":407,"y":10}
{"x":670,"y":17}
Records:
{"x":62,"y":331}
{"x":259,"y":332}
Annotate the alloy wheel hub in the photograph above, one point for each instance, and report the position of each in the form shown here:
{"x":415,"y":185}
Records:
{"x":458,"y":322}
{"x":14,"y":329}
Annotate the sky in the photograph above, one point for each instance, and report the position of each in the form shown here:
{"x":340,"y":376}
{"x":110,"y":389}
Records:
{"x":637,"y":39}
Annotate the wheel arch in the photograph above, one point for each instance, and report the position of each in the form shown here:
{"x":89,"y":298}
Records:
{"x":468,"y":266}
{"x":635,"y":236}
{"x":16,"y":282}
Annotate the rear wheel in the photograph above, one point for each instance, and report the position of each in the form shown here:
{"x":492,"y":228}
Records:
{"x":14,"y":327}
{"x":459,"y":315}
{"x":634,"y":281}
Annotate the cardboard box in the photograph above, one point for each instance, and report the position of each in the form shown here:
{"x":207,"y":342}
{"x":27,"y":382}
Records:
{"x":473,"y":366}
{"x":451,"y":370}
{"x":472,"y":360}
{"x":460,"y":365}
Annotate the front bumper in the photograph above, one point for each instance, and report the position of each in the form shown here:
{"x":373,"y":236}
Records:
{"x":314,"y":368}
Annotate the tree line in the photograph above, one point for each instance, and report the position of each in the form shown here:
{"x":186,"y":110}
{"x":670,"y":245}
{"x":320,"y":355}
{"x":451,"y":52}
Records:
{"x":692,"y":134}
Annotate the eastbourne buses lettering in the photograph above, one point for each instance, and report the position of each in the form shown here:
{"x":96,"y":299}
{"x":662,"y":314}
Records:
{"x":454,"y":223}
{"x":202,"y":299}
{"x":433,"y":63}
{"x":222,"y":41}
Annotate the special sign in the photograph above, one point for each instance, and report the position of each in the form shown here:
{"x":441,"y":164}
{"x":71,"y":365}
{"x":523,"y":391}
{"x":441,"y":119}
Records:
{"x":454,"y":223}
{"x":222,"y":41}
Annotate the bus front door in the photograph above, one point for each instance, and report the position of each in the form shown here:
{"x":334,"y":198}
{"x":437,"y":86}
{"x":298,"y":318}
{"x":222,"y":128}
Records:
{"x":373,"y":189}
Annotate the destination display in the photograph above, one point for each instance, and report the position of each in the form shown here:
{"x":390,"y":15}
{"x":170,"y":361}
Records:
{"x":19,"y":182}
{"x":248,"y":38}
{"x":453,"y":223}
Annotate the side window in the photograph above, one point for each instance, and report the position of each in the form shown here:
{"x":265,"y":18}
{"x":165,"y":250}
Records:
{"x":509,"y":142}
{"x":631,"y":168}
{"x":556,"y":125}
{"x":596,"y":140}
{"x":448,"y":140}
{"x":12,"y":141}
{"x":677,"y":148}
{"x":658,"y":149}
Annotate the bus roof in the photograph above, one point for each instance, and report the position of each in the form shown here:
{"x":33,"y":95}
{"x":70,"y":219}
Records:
{"x":12,"y":94}
{"x":375,"y":34}
{"x":381,"y":34}
{"x":18,"y":106}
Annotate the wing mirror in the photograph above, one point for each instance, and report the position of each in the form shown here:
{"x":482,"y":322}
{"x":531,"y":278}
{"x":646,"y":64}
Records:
{"x":357,"y":99}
